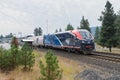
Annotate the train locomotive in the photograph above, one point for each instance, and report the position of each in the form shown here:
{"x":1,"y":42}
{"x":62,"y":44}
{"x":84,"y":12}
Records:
{"x":73,"y":40}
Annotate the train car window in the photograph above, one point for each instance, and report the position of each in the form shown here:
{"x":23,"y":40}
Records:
{"x":37,"y":40}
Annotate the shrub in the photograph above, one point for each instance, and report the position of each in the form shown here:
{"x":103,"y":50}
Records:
{"x":51,"y":70}
{"x":27,"y":57}
{"x":14,"y":52}
{"x":14,"y":56}
{"x":9,"y":58}
{"x":5,"y":60}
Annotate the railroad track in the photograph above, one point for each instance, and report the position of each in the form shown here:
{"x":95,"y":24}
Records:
{"x":111,"y":57}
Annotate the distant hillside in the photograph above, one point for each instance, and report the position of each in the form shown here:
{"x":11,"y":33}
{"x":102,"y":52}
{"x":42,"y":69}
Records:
{"x":93,"y":30}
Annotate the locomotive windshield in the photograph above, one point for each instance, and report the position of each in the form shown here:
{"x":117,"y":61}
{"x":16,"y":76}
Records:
{"x":85,"y":34}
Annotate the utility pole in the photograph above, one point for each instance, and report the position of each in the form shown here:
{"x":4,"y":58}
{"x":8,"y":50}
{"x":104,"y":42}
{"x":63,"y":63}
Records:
{"x":47,"y":26}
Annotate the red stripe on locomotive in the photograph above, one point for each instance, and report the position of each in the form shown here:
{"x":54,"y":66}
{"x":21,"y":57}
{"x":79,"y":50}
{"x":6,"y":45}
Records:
{"x":77,"y":34}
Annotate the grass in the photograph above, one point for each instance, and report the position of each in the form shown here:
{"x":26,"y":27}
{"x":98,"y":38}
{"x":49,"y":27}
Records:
{"x":70,"y":69}
{"x":18,"y":74}
{"x":101,"y":49}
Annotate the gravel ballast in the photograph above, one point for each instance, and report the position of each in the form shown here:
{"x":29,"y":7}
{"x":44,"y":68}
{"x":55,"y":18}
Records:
{"x":94,"y":75}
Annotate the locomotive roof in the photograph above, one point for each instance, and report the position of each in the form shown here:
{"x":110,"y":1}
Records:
{"x":71,"y":30}
{"x":62,"y":32}
{"x":68,"y":31}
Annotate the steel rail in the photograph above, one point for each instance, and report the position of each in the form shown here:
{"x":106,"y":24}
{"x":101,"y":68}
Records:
{"x":107,"y":56}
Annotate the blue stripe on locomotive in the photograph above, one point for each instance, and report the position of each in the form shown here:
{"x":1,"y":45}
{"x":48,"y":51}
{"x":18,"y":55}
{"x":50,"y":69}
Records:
{"x":51,"y":39}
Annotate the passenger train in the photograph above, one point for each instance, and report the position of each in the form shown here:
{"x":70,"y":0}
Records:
{"x":73,"y":40}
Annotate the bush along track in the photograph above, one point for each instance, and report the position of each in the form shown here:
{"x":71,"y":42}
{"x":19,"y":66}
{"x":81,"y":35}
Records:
{"x":14,"y":57}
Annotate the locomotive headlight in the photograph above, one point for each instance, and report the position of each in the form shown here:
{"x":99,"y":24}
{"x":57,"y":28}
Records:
{"x":83,"y":41}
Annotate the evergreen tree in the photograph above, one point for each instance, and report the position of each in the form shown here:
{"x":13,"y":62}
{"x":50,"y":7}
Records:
{"x":60,"y":30}
{"x":9,"y":36}
{"x":107,"y":34}
{"x":97,"y":33}
{"x":87,"y":25}
{"x":56,"y":31}
{"x":14,"y":52}
{"x":69,"y":27}
{"x":117,"y":24}
{"x":9,"y":58}
{"x":51,"y":70}
{"x":14,"y":42}
{"x":27,"y":57}
{"x":84,"y":24}
{"x":1,"y":36}
{"x":38,"y":31}
{"x":5,"y":60}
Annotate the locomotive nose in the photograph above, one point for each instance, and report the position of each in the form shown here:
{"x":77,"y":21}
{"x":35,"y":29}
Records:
{"x":87,"y":44}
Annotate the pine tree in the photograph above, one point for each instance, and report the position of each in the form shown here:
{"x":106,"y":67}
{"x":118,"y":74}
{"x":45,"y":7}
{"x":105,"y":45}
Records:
{"x":51,"y":70}
{"x":14,"y":42}
{"x":14,"y":52}
{"x":107,"y":34}
{"x":97,"y":33}
{"x":60,"y":30}
{"x":9,"y":35}
{"x":6,"y":60}
{"x":117,"y":24}
{"x":27,"y":57}
{"x":84,"y":24}
{"x":56,"y":31}
{"x":9,"y":58}
{"x":87,"y":25}
{"x":1,"y":36}
{"x":69,"y":27}
{"x":38,"y":31}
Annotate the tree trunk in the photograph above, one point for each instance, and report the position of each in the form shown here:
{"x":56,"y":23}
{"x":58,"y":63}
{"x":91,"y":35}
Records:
{"x":110,"y":48}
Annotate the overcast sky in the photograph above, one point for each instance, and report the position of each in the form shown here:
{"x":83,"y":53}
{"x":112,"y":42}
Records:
{"x":25,"y":15}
